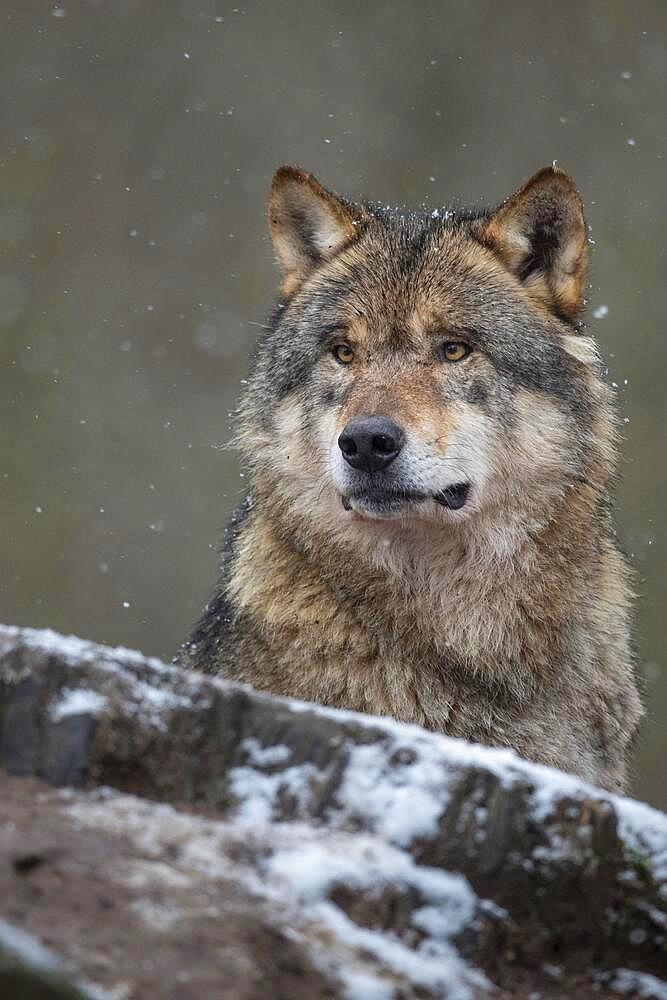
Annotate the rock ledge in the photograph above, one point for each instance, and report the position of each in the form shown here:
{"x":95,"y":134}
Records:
{"x":173,"y":835}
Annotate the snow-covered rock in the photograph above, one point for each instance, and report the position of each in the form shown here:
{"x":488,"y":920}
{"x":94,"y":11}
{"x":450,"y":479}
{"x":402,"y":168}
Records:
{"x":334,"y":853}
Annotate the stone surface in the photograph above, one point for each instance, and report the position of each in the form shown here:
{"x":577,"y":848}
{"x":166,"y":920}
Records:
{"x":215,"y":842}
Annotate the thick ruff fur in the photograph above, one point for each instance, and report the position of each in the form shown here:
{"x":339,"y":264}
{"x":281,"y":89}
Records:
{"x":504,"y":619}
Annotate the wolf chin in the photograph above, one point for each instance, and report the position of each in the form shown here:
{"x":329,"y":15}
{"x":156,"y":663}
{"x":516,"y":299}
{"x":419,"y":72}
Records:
{"x":430,"y":444}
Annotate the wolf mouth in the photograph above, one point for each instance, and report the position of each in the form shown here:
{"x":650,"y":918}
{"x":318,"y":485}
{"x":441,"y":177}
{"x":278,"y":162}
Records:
{"x":453,"y":498}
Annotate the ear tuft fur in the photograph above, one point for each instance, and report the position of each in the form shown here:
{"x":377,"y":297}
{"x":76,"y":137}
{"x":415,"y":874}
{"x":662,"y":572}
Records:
{"x":540,"y":235}
{"x":308,"y":224}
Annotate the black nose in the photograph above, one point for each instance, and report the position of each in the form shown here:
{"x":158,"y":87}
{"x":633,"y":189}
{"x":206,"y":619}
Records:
{"x":371,"y":443}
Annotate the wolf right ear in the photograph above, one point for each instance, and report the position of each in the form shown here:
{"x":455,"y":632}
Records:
{"x":540,"y":235}
{"x":308,"y":224}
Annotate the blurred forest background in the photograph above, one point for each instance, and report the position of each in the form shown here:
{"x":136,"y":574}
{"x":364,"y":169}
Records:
{"x":137,"y":141}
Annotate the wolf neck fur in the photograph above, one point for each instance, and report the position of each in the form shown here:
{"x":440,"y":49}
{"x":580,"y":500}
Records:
{"x":464,"y":591}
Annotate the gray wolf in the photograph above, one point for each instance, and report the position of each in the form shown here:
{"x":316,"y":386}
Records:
{"x":431,"y":444}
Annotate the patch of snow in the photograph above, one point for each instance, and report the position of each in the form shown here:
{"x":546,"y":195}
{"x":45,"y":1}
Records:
{"x":645,"y":985}
{"x":70,"y":648}
{"x":74,"y":650}
{"x":644,"y":830}
{"x":505,"y":763}
{"x":263,"y":756}
{"x":156,"y":830}
{"x":370,"y":987}
{"x":77,"y":701}
{"x":152,"y":702}
{"x":159,"y":917}
{"x":433,"y":965}
{"x":257,"y":794}
{"x":403,"y":799}
{"x":120,"y":991}
{"x":292,"y":868}
{"x":311,"y":870}
{"x":369,"y":864}
{"x":140,"y":873}
{"x":436,"y":760}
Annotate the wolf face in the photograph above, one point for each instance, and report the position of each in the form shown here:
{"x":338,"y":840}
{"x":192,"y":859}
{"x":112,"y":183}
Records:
{"x":425,"y":371}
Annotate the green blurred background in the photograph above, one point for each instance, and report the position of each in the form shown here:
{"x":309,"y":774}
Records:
{"x":137,"y":141}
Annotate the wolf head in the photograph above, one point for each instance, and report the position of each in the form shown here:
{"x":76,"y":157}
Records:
{"x":425,"y":370}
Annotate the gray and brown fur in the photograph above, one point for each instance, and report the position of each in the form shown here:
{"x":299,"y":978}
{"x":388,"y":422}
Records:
{"x":505,"y":622}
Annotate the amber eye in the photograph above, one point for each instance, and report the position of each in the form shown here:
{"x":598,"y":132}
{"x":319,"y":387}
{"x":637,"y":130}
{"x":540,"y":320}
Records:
{"x":455,"y":350}
{"x":343,"y":353}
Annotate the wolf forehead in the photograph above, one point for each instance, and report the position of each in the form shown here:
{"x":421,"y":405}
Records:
{"x":509,"y":281}
{"x":409,"y":277}
{"x":405,"y":276}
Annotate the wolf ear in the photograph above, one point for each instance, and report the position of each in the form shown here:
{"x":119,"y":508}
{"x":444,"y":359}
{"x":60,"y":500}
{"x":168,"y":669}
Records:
{"x":308,"y":224}
{"x":540,"y":235}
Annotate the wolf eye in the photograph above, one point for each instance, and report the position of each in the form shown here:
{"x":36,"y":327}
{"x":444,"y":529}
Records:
{"x":455,"y":350}
{"x":343,"y":353}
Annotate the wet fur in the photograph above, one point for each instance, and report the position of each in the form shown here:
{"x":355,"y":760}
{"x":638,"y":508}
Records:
{"x":507,"y":622}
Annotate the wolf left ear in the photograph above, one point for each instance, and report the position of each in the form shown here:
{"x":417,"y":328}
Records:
{"x":308,"y":224}
{"x":540,"y":235}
